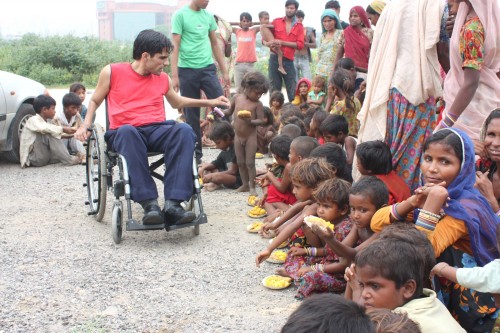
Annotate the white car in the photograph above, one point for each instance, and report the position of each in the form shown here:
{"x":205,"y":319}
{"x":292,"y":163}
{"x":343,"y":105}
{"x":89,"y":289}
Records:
{"x":16,"y":106}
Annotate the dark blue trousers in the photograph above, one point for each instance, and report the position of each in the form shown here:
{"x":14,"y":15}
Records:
{"x":191,"y":82}
{"x":175,"y":141}
{"x":276,"y":77}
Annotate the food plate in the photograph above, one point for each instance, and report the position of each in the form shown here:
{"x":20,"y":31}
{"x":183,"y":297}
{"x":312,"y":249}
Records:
{"x":277,"y":257}
{"x":276,"y":282}
{"x":255,"y":227}
{"x":257,"y":212}
{"x":252,"y":200}
{"x":310,"y":220}
{"x":259,"y":156}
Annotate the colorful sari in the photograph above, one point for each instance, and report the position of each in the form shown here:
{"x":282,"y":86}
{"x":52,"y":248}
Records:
{"x":357,"y":42}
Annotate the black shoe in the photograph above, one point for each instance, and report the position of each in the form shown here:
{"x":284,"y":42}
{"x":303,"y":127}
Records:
{"x":175,"y":214}
{"x":152,"y":214}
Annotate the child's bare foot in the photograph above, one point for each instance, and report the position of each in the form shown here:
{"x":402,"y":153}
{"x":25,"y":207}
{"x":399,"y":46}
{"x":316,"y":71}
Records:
{"x":282,"y":70}
{"x":243,"y":188}
{"x":281,"y":271}
{"x":253,"y":191}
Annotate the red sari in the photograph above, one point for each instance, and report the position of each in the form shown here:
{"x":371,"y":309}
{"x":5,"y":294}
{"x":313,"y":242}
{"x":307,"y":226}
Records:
{"x":357,"y":45}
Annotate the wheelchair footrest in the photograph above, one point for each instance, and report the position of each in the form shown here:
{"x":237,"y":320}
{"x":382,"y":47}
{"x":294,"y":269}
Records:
{"x":133,"y":225}
{"x":200,"y":219}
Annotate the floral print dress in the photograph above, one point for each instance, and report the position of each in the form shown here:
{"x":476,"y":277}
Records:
{"x":327,"y":53}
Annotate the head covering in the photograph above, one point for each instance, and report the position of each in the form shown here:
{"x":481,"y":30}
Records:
{"x":357,"y":45}
{"x":332,"y":14}
{"x":377,"y":6}
{"x":296,"y":100}
{"x":362,"y":15}
{"x":486,"y":96}
{"x":468,"y":205}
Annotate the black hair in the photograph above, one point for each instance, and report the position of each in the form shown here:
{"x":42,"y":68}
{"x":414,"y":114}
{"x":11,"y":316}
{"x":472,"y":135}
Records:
{"x":304,"y":145}
{"x":292,"y":3}
{"x":311,"y":172}
{"x":328,"y":313}
{"x":332,"y":5}
{"x":291,"y":130}
{"x":280,"y":146}
{"x":345,"y":63}
{"x":319,"y":116}
{"x":375,"y":156}
{"x":333,"y":190}
{"x":304,"y":106}
{"x":263,"y":13}
{"x":43,"y":101}
{"x":71,"y":99}
{"x":334,"y":124}
{"x":76,"y":86}
{"x":152,"y":42}
{"x":277,"y":96}
{"x":336,"y":158}
{"x":221,"y":130}
{"x":449,"y":138}
{"x":269,"y":115}
{"x":341,"y":79}
{"x":388,"y":321}
{"x":372,"y":11}
{"x":373,"y":189}
{"x":296,"y":121}
{"x":246,"y":15}
{"x":289,"y":110}
{"x":395,"y":260}
{"x":255,"y":81}
{"x":300,"y":13}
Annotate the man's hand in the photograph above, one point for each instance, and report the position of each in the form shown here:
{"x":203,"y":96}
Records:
{"x":220,"y":101}
{"x":82,"y":133}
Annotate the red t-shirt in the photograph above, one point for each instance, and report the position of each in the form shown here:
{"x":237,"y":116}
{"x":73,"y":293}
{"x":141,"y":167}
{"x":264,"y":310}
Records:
{"x":398,"y":189}
{"x":296,"y":35}
{"x":246,"y":45}
{"x":135,"y":99}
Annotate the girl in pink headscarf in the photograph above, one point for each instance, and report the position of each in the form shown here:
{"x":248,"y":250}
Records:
{"x":356,"y":40}
{"x":472,"y":86}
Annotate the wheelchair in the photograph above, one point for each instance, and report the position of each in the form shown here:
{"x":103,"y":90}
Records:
{"x":99,"y":179}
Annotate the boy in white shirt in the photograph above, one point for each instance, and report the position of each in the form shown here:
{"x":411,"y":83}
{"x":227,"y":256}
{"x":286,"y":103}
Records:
{"x":70,"y":116}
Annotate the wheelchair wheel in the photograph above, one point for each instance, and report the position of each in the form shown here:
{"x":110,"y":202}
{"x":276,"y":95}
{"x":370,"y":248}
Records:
{"x":96,"y":173}
{"x":117,"y":221}
{"x":192,"y":205}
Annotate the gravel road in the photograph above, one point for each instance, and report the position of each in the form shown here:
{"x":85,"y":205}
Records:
{"x":61,"y":272}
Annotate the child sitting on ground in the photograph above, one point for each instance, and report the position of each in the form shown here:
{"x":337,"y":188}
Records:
{"x":301,"y":91}
{"x":346,"y":104}
{"x":336,"y":157}
{"x":374,"y":159}
{"x":41,"y":140}
{"x":317,"y":119}
{"x":328,"y":313}
{"x":387,"y":321}
{"x":291,"y":130}
{"x":317,"y":94}
{"x":389,"y":274}
{"x":317,"y":269}
{"x":224,"y":170}
{"x":306,"y":176}
{"x":336,"y":129}
{"x":80,"y":90}
{"x":276,"y":102}
{"x":301,"y":147}
{"x":249,"y":115}
{"x":266,"y":132}
{"x":70,"y":117}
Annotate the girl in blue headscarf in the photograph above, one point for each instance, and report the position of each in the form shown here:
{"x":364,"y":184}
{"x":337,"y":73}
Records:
{"x":459,"y":222}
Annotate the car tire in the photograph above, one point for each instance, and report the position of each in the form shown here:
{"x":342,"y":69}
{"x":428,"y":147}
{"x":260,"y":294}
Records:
{"x":23,"y":114}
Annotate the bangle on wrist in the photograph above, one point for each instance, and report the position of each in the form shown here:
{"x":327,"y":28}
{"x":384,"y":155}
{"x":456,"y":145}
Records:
{"x":395,"y":214}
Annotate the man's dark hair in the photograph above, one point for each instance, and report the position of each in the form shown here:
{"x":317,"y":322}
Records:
{"x":152,"y":42}
{"x":328,"y":313}
{"x":292,"y":3}
{"x":222,"y":130}
{"x":300,"y":13}
{"x":332,"y":5}
{"x":43,"y":101}
{"x":71,"y":99}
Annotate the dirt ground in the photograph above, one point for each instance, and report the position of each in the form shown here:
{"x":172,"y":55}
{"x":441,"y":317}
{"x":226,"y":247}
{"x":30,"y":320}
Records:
{"x":61,"y":272}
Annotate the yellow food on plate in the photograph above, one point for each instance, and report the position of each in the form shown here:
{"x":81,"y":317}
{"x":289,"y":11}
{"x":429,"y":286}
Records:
{"x":276,"y":282}
{"x":244,"y":114}
{"x":310,"y":220}
{"x":252,"y":200}
{"x":257,"y":212}
{"x":255,"y":227}
{"x":278,"y":255}
{"x":259,"y":155}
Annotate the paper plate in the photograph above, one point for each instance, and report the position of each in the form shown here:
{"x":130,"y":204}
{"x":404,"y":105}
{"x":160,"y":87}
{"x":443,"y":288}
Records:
{"x":265,"y":282}
{"x":251,"y":200}
{"x":274,"y":260}
{"x":255,"y":227}
{"x":249,"y":213}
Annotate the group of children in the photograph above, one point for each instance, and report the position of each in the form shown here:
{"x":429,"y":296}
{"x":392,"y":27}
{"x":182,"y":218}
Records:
{"x":47,"y":137}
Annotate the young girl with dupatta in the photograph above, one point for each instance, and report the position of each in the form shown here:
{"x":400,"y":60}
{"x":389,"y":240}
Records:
{"x":457,"y":219}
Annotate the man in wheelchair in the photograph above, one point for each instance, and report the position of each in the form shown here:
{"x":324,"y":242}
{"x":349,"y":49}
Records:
{"x":134,"y":93}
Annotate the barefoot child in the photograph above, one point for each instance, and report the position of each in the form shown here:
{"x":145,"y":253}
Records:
{"x":276,"y":102}
{"x":317,"y":269}
{"x":317,"y":94}
{"x":268,"y":37}
{"x":224,"y":170}
{"x":266,"y":132}
{"x":253,"y":85}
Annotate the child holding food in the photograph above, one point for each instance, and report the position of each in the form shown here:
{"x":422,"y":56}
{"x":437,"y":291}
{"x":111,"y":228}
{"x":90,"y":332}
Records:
{"x":249,"y":115}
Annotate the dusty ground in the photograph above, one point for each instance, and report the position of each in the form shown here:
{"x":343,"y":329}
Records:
{"x":61,"y":272}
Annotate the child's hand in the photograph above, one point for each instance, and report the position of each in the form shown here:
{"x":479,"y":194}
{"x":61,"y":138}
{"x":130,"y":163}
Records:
{"x":262,"y":256}
{"x":323,"y":233}
{"x":297,"y":251}
{"x":301,"y":272}
{"x":352,"y":278}
{"x":69,"y":130}
{"x":438,"y":268}
{"x":421,"y":194}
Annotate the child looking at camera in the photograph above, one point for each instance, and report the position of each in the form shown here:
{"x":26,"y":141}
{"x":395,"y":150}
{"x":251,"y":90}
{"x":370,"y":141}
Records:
{"x":253,"y":85}
{"x":317,"y":94}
